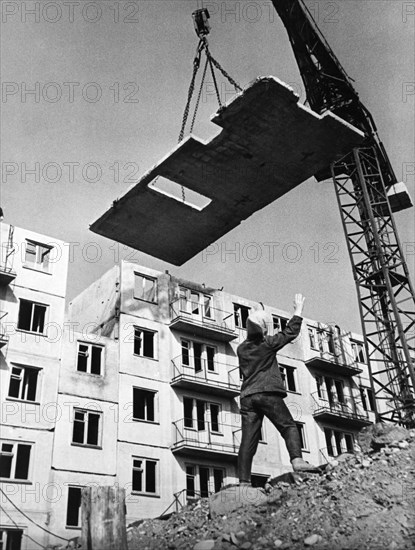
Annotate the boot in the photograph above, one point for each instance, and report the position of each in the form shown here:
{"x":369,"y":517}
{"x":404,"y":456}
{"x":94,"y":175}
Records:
{"x":300,"y":465}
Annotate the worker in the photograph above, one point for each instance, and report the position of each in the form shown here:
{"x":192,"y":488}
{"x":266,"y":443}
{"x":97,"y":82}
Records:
{"x":263,"y":391}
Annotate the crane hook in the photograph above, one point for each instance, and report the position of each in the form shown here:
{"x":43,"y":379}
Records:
{"x":201,"y":23}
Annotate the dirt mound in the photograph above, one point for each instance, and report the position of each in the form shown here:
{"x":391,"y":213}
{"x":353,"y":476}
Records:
{"x":365,"y":500}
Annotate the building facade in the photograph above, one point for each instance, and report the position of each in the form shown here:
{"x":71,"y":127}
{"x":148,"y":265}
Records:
{"x":171,"y":412}
{"x":147,"y":395}
{"x":33,"y":272}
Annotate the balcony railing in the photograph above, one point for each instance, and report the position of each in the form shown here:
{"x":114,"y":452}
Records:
{"x":4,"y":337}
{"x":330,"y":363}
{"x":7,"y":275}
{"x":341,"y":413}
{"x":221,"y":443}
{"x":206,"y":375}
{"x":197,"y":319}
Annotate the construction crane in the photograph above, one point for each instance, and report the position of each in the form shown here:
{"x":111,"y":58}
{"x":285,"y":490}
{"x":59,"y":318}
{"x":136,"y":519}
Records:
{"x":367,"y":193}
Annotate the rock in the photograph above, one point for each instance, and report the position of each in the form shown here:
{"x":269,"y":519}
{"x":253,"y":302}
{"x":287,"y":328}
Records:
{"x":284,"y":480}
{"x":234,"y":539}
{"x":343,"y":458}
{"x":246,"y":545}
{"x":403,"y":444}
{"x":312,"y":539}
{"x":204,"y":545}
{"x":278,"y":543}
{"x":232,"y":498}
{"x":377,"y":436}
{"x":366,"y":463}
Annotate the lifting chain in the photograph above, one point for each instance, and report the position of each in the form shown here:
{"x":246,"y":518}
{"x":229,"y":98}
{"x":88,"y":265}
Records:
{"x":203,"y":45}
{"x":196,"y":65}
{"x":222,"y":70}
{"x":199,"y":95}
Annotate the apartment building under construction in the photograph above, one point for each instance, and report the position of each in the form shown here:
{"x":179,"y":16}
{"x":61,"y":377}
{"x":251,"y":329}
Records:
{"x":144,"y":383}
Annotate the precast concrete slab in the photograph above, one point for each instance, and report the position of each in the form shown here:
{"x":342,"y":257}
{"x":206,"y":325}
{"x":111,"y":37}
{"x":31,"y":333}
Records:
{"x":268,"y":145}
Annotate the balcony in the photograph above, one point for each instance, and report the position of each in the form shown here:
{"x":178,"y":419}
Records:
{"x":4,"y":337}
{"x":201,"y":441}
{"x":7,"y":275}
{"x":329,"y":364}
{"x":212,"y":377}
{"x":198,"y":320}
{"x":343,"y":414}
{"x":7,"y":250}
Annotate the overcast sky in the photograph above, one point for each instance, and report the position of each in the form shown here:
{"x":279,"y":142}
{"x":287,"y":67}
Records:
{"x":110,"y":81}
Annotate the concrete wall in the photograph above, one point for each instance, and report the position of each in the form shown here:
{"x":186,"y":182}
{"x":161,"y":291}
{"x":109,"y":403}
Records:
{"x":62,"y":480}
{"x":95,"y":309}
{"x":156,"y":440}
{"x":24,"y":420}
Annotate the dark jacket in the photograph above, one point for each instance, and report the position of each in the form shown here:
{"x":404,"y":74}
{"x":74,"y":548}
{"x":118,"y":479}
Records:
{"x":258,"y":362}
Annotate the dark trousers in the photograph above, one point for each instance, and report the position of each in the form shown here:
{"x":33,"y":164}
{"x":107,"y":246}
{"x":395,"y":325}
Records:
{"x":253,"y":409}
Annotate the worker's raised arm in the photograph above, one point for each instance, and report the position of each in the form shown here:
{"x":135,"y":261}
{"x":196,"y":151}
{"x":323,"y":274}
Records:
{"x":299,"y":300}
{"x":292,"y":330}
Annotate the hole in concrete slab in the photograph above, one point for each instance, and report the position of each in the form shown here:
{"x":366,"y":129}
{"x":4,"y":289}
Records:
{"x":175,"y":191}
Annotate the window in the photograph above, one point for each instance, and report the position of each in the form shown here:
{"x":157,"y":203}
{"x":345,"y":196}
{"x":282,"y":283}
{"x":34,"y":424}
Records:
{"x":190,"y":481}
{"x":301,"y":431}
{"x":279,"y":323}
{"x":326,"y":341}
{"x":214,"y":417}
{"x":332,"y":391}
{"x":207,"y":306}
{"x":329,"y":336}
{"x":145,"y":288}
{"x":358,"y":351}
{"x":312,"y":336}
{"x":338,"y":442}
{"x":144,"y":342}
{"x":31,"y":316}
{"x":73,"y":507}
{"x":288,"y":378}
{"x":336,"y":393}
{"x":195,"y":303}
{"x":195,"y":413}
{"x":15,"y":460}
{"x":144,"y":475}
{"x":210,"y":358}
{"x":367,"y":397}
{"x":189,"y":301}
{"x":11,"y":539}
{"x":89,"y":358}
{"x":86,"y":428}
{"x":143,"y":404}
{"x":23,"y":383}
{"x":240,"y":315}
{"x":37,"y":255}
{"x":199,"y":356}
{"x":203,"y":480}
{"x":320,"y":387}
{"x":321,"y":340}
{"x":185,"y":353}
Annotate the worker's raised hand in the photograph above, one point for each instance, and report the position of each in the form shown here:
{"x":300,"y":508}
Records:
{"x":298,"y":304}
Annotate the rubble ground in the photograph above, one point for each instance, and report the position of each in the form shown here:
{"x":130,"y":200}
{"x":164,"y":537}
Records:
{"x":363,"y":501}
